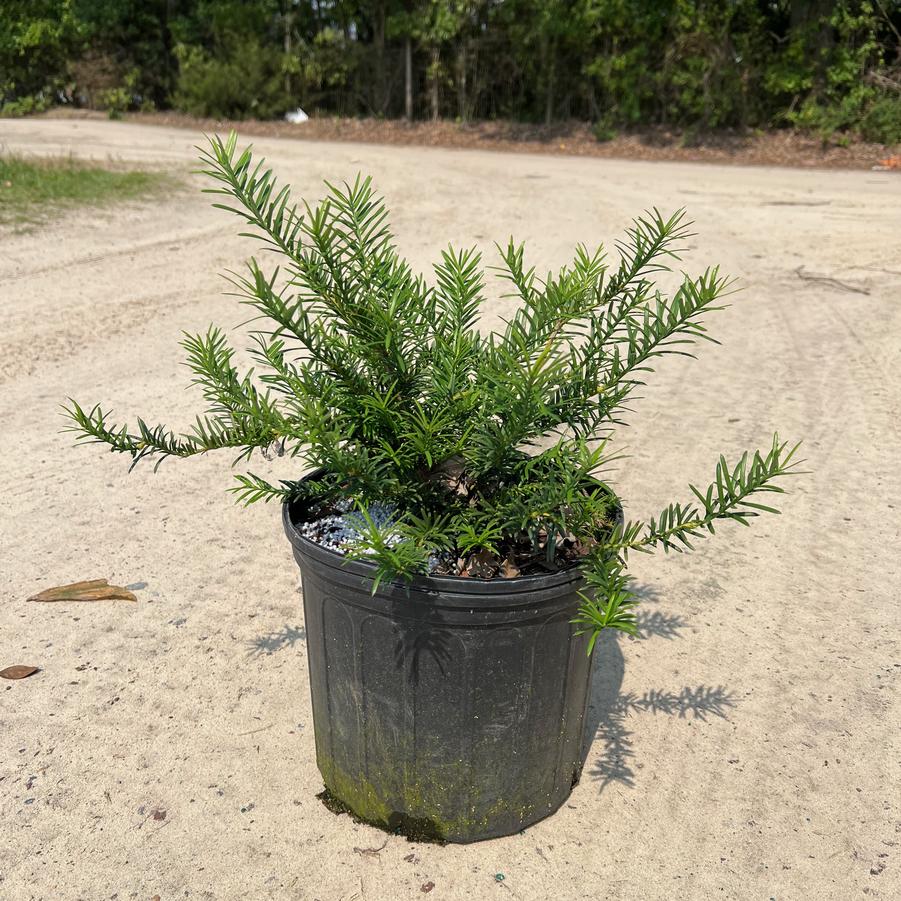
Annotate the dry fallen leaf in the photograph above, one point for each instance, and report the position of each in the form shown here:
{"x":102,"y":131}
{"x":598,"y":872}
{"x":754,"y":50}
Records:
{"x":509,"y":570}
{"x":482,"y":564}
{"x":93,"y":590}
{"x":19,"y":671}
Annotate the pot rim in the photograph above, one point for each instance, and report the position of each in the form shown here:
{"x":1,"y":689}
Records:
{"x":427,"y":582}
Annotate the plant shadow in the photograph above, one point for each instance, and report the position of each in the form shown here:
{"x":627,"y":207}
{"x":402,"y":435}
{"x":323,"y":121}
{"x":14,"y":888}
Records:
{"x":412,"y":643}
{"x":609,"y":708}
{"x":286,"y":637}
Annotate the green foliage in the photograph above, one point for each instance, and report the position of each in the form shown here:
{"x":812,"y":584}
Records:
{"x":122,"y":98}
{"x":134,"y":38}
{"x":837,"y":71}
{"x":874,"y":117}
{"x":243,"y":82}
{"x":25,"y":106}
{"x":882,"y":121}
{"x":483,"y":444}
{"x":30,"y":188}
{"x":115,"y":101}
{"x":604,"y":131}
{"x":37,"y":37}
{"x":830,"y":67}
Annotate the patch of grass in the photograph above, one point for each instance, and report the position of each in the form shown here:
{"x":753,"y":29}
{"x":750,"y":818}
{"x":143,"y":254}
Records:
{"x":32,"y":188}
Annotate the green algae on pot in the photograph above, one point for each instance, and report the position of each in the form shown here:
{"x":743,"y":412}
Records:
{"x":460,"y":547}
{"x":419,"y":816}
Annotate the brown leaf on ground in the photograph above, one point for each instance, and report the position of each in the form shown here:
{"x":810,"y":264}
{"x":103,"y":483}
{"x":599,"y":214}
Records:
{"x":581,"y":549}
{"x":482,"y":565}
{"x":93,"y":590}
{"x":450,"y":469}
{"x":426,"y":887}
{"x":509,"y":570}
{"x":19,"y":671}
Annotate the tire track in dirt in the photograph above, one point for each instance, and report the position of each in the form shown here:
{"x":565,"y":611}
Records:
{"x":796,"y":617}
{"x":29,"y":353}
{"x":126,"y":250}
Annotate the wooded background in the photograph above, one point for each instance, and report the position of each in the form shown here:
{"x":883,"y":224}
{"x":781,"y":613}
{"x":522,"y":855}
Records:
{"x":690,"y":64}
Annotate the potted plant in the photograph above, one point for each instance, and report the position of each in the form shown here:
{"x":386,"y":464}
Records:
{"x":459,"y":549}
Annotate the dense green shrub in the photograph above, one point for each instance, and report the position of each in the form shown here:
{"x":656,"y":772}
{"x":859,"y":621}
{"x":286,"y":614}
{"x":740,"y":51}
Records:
{"x":37,"y":38}
{"x":246,"y":82}
{"x":882,"y":121}
{"x":489,"y":451}
{"x":134,"y":41}
{"x":603,"y":130}
{"x":26,"y":105}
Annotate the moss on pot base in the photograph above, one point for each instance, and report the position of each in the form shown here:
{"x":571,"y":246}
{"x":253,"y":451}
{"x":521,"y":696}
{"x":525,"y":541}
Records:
{"x":424,"y":814}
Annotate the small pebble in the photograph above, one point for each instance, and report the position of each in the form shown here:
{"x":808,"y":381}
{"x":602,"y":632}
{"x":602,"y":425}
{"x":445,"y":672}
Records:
{"x":339,"y":532}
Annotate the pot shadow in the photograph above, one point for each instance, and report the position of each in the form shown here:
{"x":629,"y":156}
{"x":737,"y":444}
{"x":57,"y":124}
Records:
{"x":609,"y":708}
{"x":286,"y":637}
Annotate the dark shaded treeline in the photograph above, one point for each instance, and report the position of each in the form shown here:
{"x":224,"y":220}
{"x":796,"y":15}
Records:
{"x":695,"y":64}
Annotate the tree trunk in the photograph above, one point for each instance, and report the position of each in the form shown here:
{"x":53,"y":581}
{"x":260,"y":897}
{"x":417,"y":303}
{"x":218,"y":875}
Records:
{"x":461,"y":81}
{"x":549,"y":89}
{"x":381,"y":91}
{"x":433,"y":79}
{"x":287,"y":46}
{"x":408,"y":79}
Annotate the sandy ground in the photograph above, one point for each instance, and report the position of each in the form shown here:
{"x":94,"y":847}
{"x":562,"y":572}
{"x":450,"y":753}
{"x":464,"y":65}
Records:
{"x":747,"y":745}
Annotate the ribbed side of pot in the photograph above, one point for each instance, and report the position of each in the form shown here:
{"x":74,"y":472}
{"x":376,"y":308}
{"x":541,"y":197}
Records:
{"x":442,"y":714}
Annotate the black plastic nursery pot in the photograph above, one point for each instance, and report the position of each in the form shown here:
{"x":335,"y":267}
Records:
{"x":449,"y":708}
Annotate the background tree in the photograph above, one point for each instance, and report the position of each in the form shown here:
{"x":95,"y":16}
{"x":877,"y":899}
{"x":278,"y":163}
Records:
{"x":689,"y":64}
{"x":37,"y":38}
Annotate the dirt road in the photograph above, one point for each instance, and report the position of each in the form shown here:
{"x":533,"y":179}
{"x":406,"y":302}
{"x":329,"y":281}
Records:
{"x":747,"y":745}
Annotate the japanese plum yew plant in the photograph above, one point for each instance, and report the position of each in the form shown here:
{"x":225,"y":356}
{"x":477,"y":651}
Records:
{"x":482,"y":454}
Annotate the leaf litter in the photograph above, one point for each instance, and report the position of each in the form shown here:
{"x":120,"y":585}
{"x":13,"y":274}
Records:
{"x":19,"y":671}
{"x":92,"y":590}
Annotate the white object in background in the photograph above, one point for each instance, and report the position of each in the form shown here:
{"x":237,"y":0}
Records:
{"x":296,"y":116}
